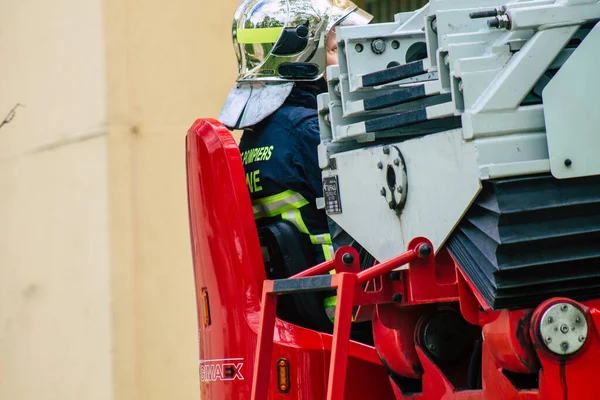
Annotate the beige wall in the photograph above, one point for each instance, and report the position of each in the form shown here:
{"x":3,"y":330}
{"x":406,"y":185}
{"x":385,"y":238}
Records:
{"x":54,"y":276}
{"x":96,"y":290}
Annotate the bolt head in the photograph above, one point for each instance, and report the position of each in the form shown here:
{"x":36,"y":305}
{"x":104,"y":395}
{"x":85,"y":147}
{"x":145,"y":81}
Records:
{"x":581,"y":339}
{"x":564,"y":346}
{"x":380,"y":165}
{"x":432,"y":346}
{"x":424,"y":250}
{"x":386,"y":150}
{"x":397,"y":298}
{"x":493,"y":23}
{"x":348,"y":259}
{"x":548,"y":339}
{"x":564,"y":328}
{"x":378,"y":46}
{"x":397,"y":162}
{"x":358,"y":48}
{"x":550,"y":320}
{"x":578,"y":320}
{"x":568,"y":162}
{"x":382,"y":192}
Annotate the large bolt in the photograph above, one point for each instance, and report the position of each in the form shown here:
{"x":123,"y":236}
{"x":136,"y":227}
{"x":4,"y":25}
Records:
{"x":348,"y":259}
{"x":424,"y":250}
{"x":493,"y":23}
{"x":564,"y":328}
{"x":499,"y":22}
{"x":483,"y":14}
{"x":378,"y":46}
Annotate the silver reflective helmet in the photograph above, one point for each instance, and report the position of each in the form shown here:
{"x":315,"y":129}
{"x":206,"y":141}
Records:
{"x":284,"y":40}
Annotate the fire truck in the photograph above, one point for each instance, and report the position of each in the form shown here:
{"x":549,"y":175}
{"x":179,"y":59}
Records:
{"x":460,"y":147}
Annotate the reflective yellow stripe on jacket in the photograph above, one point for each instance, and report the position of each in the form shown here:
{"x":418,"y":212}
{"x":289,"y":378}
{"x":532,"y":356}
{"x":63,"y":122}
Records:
{"x":287,"y":205}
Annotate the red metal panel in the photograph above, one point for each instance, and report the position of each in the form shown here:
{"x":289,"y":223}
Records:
{"x":228,"y":266}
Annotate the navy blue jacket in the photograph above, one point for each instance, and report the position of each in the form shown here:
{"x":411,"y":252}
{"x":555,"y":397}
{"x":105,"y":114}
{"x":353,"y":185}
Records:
{"x":282,"y":169}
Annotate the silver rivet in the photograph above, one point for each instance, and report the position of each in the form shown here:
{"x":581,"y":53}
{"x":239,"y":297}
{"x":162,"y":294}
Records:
{"x":550,"y":320}
{"x":581,"y":338}
{"x":564,"y":307}
{"x":549,"y":339}
{"x":578,"y":319}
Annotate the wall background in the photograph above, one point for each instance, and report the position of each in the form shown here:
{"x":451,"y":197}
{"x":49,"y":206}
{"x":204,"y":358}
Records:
{"x":96,"y":291}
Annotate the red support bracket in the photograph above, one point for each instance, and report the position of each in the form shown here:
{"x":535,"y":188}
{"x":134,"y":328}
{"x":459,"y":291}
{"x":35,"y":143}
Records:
{"x":349,"y":285}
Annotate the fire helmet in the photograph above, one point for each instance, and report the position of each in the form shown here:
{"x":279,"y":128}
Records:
{"x":277,"y":43}
{"x":284,"y":40}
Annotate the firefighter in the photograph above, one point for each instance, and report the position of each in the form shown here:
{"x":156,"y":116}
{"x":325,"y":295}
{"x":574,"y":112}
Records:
{"x":283,"y":48}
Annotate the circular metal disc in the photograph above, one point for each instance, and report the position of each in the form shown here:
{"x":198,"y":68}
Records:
{"x":563,"y":329}
{"x":393,"y":177}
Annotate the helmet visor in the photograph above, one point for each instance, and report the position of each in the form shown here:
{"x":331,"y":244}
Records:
{"x":346,"y":13}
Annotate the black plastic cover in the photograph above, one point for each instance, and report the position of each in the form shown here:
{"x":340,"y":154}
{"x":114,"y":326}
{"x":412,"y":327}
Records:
{"x":393,"y":74}
{"x":298,"y":70}
{"x":287,"y":252}
{"x":528,"y":239}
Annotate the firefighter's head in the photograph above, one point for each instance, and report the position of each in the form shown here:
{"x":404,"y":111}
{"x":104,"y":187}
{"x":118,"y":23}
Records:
{"x":287,"y":40}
